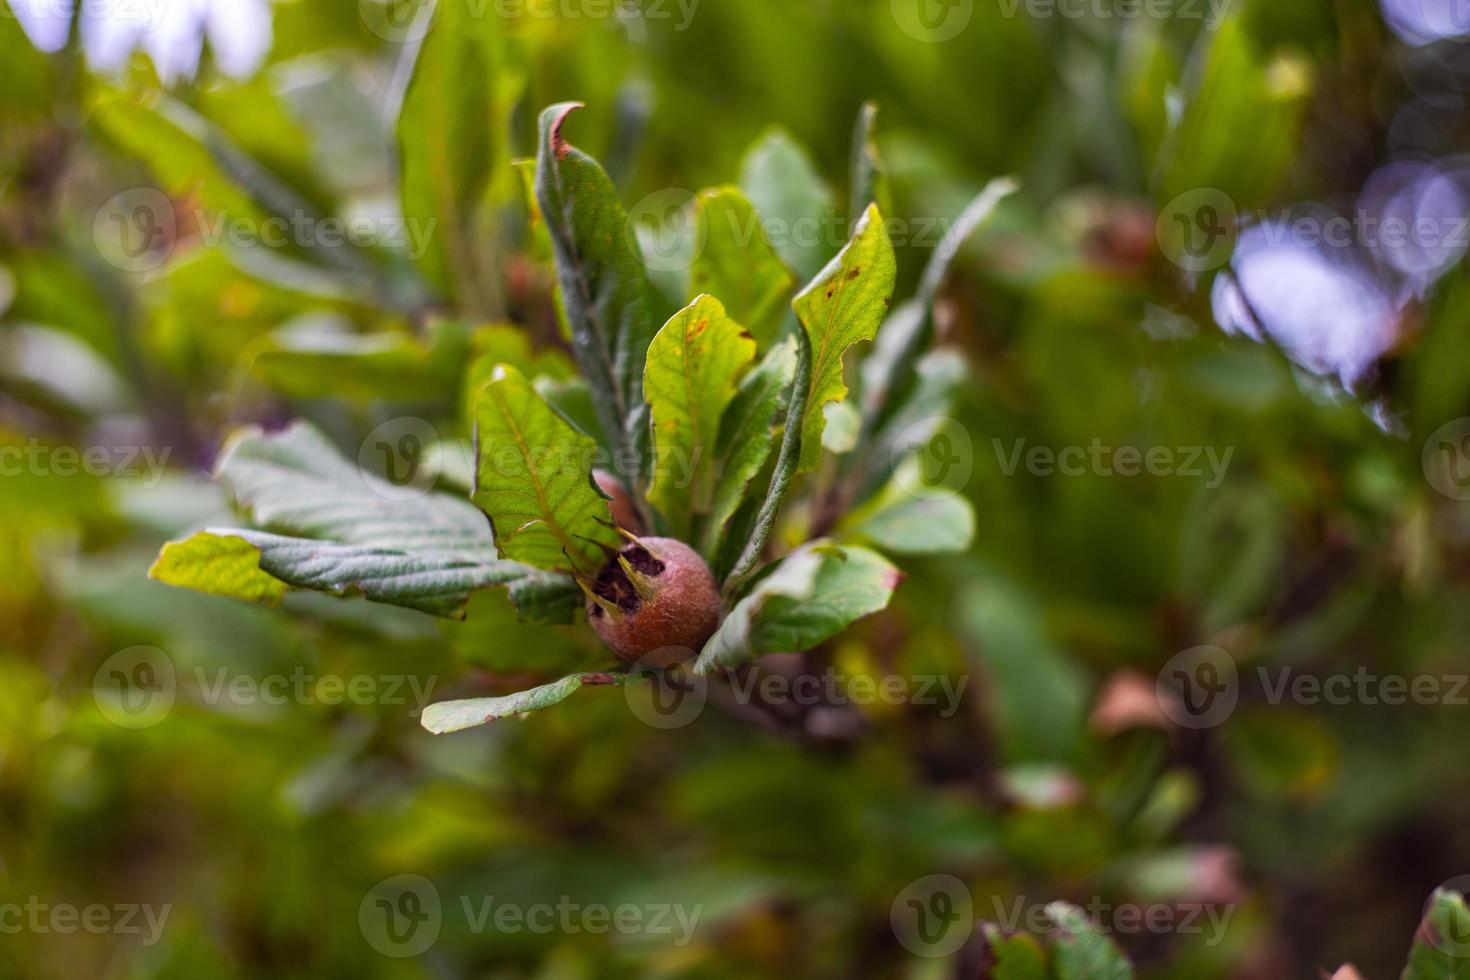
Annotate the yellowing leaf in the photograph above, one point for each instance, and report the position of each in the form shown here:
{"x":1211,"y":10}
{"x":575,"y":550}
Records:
{"x":842,"y":306}
{"x":694,"y":366}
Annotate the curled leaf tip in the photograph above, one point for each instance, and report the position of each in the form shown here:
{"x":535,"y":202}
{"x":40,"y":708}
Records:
{"x":559,"y":145}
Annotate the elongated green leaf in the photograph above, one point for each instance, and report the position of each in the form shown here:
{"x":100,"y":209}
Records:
{"x":747,"y":433}
{"x":533,"y":476}
{"x":694,"y":368}
{"x":446,"y":135}
{"x":916,"y":417}
{"x":1016,"y":957}
{"x":316,"y":363}
{"x":739,"y":266}
{"x":814,"y":594}
{"x":898,"y":521}
{"x":869,"y":179}
{"x":27,"y":77}
{"x":174,"y":142}
{"x":456,"y":716}
{"x":1441,"y":948}
{"x":1080,"y":952}
{"x":765,"y":518}
{"x":844,"y":305}
{"x":910,"y":329}
{"x":331,"y":527}
{"x":793,"y":202}
{"x":262,"y":567}
{"x":603,"y":282}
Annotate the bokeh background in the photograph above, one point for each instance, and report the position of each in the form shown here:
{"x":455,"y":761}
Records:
{"x":1201,"y":259}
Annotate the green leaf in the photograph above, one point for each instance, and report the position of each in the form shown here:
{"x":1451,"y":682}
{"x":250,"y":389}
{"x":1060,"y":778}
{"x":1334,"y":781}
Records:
{"x":1038,"y":695}
{"x":262,"y":567}
{"x":446,"y":135}
{"x":1441,"y":948}
{"x":917,"y":416}
{"x":504,"y":343}
{"x":747,"y":433}
{"x":533,"y":476}
{"x":603,"y":282}
{"x":363,"y":367}
{"x":896,"y":520}
{"x":812,"y":595}
{"x":910,"y":329}
{"x":779,"y":179}
{"x":456,"y":716}
{"x":869,"y":178}
{"x":738,"y":265}
{"x":27,"y":76}
{"x":764,"y":521}
{"x":694,"y":368}
{"x":844,"y":305}
{"x":1016,"y":957}
{"x":1080,"y":952}
{"x":331,"y":527}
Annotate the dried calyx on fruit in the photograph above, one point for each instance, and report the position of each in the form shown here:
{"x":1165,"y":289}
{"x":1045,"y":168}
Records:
{"x":654,"y":596}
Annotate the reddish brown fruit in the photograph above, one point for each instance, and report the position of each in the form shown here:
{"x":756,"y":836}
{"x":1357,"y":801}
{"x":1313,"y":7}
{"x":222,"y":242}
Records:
{"x":655,"y":596}
{"x":624,"y":514}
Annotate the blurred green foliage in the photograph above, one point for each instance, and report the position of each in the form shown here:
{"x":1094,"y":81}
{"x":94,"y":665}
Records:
{"x":266,"y":829}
